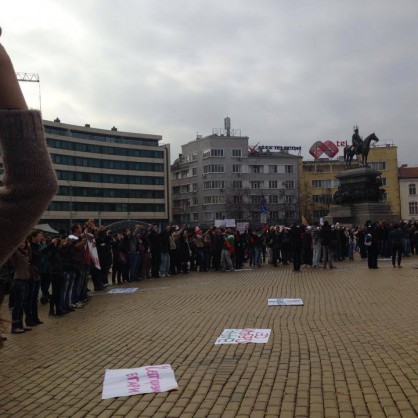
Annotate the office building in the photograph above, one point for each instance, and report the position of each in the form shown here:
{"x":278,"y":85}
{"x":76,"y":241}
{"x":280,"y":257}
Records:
{"x":221,"y":176}
{"x":107,"y":175}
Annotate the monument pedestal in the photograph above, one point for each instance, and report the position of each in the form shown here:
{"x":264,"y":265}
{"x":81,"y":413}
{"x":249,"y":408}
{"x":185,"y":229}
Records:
{"x":358,"y":199}
{"x":360,"y":213}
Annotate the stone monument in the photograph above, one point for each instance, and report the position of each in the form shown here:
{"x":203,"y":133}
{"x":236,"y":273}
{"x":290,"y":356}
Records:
{"x":359,"y":198}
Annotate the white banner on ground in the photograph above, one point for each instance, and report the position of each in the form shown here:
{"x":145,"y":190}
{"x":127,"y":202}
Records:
{"x":126,"y":290}
{"x":243,"y":336}
{"x":147,"y":379}
{"x":284,"y":302}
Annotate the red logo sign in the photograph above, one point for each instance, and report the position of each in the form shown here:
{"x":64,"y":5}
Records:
{"x":327,"y":147}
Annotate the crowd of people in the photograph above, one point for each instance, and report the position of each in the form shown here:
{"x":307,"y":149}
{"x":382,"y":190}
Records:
{"x":59,"y":267}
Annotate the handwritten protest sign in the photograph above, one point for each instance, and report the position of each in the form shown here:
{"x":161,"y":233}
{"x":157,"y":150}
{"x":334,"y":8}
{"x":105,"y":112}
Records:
{"x":126,"y":290}
{"x":147,"y":379}
{"x":243,"y":336}
{"x":284,"y":302}
{"x":91,"y":245}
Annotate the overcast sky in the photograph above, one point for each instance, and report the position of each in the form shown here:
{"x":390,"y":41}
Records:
{"x":285,"y":72}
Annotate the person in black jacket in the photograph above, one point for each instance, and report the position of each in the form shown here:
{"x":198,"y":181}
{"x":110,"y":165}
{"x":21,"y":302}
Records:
{"x":296,"y":244}
{"x":155,"y":248}
{"x":104,"y":252}
{"x":372,"y":249}
{"x":327,"y":238}
{"x":395,"y":238}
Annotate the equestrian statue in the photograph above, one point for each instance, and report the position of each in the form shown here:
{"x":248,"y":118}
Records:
{"x":358,"y":147}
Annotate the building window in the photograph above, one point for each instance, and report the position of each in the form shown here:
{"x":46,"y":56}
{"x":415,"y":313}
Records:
{"x":176,"y":190}
{"x":289,"y":199}
{"x":322,"y":198}
{"x":412,"y":189}
{"x":194,"y":171}
{"x":194,"y":156}
{"x":236,"y":168}
{"x":322,"y":183}
{"x":208,"y":216}
{"x":96,"y":149}
{"x":185,"y":188}
{"x":290,"y":214}
{"x":273,"y":184}
{"x":288,"y":169}
{"x":256,"y":199}
{"x":215,"y":184}
{"x":413,"y":208}
{"x":195,"y":201}
{"x":383,"y":180}
{"x":272,"y":169}
{"x":237,"y":184}
{"x":195,"y":186}
{"x":257,"y":169}
{"x":206,"y":153}
{"x":213,"y":168}
{"x":237,"y":199}
{"x":255,"y":216}
{"x":274,"y":214}
{"x":256,"y":184}
{"x":194,"y":216}
{"x":274,"y":199}
{"x":213,"y":200}
{"x":381,"y":165}
{"x":217,"y":153}
{"x":219,"y":215}
{"x":289,"y":184}
{"x":236,"y":153}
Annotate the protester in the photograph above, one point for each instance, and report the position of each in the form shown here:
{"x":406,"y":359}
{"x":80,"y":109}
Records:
{"x":371,"y":241}
{"x":326,"y":236}
{"x":395,"y":237}
{"x":22,"y":276}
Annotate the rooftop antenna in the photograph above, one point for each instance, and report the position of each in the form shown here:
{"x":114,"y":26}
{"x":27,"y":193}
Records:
{"x":227,"y":122}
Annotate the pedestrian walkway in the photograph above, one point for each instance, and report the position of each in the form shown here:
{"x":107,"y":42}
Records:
{"x":350,"y":351}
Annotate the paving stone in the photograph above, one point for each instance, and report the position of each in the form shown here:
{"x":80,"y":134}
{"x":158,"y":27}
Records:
{"x":349,"y":351}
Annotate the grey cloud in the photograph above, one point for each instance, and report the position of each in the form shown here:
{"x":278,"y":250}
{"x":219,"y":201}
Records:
{"x":285,"y":72}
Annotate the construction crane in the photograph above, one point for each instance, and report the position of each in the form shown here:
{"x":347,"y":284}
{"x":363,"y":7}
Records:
{"x":31,"y":78}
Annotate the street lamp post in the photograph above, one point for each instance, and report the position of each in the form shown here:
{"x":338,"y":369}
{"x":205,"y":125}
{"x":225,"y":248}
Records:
{"x":71,"y":203}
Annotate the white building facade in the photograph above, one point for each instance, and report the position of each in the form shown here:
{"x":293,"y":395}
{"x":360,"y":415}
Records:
{"x":222,"y":177}
{"x":408,"y":186}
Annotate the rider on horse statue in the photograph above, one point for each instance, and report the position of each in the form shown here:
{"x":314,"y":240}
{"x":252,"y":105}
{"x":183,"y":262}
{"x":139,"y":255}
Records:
{"x":356,"y":141}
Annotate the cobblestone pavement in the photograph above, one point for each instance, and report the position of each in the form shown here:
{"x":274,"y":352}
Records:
{"x":350,"y":351}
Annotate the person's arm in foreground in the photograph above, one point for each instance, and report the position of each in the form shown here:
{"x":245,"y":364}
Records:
{"x":29,"y":180}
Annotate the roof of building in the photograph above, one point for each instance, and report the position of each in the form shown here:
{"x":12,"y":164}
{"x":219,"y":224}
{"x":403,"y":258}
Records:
{"x":408,"y":172}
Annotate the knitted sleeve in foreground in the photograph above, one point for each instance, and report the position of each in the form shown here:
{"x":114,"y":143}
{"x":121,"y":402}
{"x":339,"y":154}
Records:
{"x":29,"y":181}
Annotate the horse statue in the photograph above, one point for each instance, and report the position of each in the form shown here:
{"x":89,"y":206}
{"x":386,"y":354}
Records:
{"x":362,"y":149}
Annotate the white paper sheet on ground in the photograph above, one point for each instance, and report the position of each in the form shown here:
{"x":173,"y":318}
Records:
{"x":284,"y":302}
{"x":126,"y":290}
{"x":147,"y":379}
{"x":243,"y":336}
